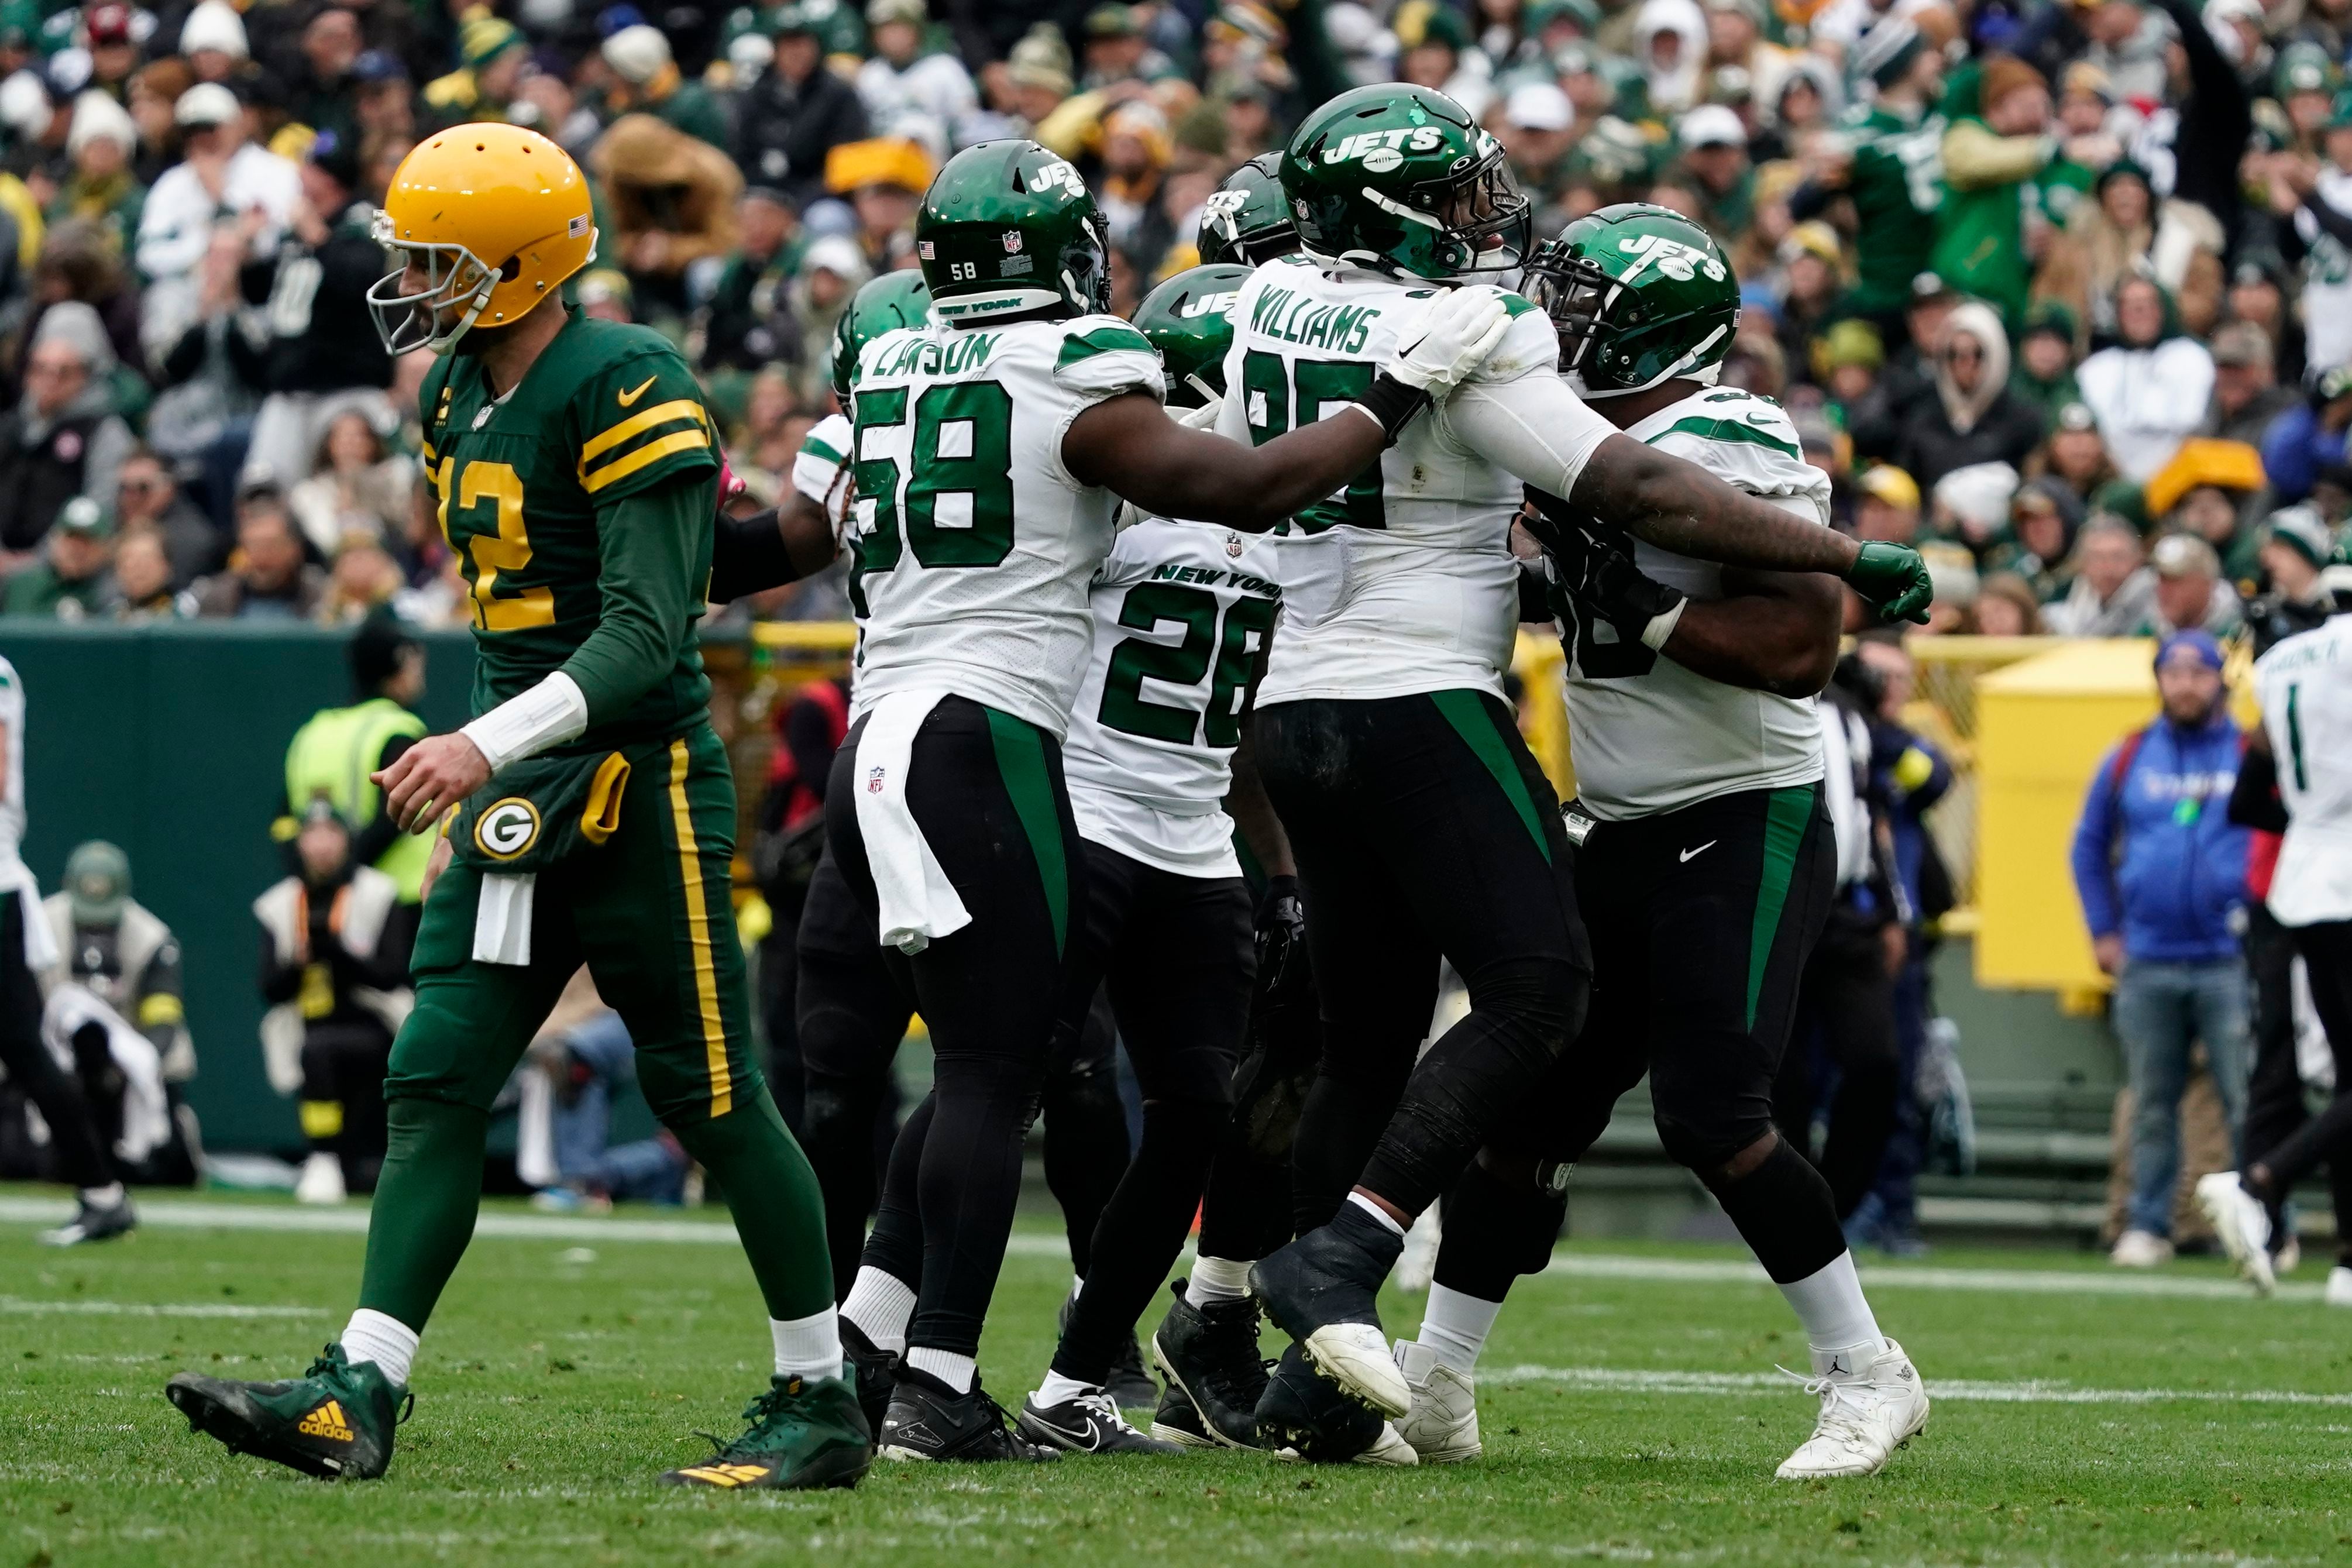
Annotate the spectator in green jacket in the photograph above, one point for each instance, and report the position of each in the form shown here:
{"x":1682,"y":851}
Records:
{"x":650,"y":84}
{"x":1989,"y":157}
{"x":73,"y":579}
{"x":2044,"y":372}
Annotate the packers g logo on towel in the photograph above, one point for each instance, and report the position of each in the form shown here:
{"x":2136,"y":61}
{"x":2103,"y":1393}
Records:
{"x":507,"y":828}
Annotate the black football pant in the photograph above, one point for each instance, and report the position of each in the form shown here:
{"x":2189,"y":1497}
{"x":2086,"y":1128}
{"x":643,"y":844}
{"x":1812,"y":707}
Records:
{"x":1702,"y":919}
{"x":343,"y":1067}
{"x":1422,"y":829}
{"x":81,"y":1159}
{"x":1175,"y":956}
{"x":986,"y":790}
{"x":2276,"y":1104}
{"x":1846,"y":1002}
{"x":1246,"y":1210}
{"x":2327,"y":1138}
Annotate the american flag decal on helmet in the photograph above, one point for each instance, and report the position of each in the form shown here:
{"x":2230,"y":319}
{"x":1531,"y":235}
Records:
{"x":577,"y":226}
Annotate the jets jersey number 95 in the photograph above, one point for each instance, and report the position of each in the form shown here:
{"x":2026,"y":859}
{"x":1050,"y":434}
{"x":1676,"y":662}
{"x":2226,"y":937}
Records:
{"x":1183,"y":612}
{"x":971,"y":543}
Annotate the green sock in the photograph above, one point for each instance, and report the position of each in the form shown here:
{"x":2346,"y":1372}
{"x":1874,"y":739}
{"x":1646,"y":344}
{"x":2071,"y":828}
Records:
{"x":773,"y":1196}
{"x":425,"y":1204}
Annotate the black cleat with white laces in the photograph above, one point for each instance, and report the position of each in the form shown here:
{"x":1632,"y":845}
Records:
{"x":1215,"y":1376}
{"x":929,"y":1420}
{"x":1090,"y":1423}
{"x":1323,"y":1289}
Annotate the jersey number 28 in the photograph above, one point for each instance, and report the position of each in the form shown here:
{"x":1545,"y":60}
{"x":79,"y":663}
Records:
{"x":1239,"y":654}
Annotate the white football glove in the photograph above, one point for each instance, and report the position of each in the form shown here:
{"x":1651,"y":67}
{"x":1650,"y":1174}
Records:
{"x":1461,"y":331}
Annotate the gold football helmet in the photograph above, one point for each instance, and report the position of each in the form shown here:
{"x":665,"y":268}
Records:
{"x":493,"y":217}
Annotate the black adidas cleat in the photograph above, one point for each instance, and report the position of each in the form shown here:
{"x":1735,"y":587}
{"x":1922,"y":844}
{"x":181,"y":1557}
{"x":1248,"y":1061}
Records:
{"x":803,"y":1434}
{"x":1089,"y":1423}
{"x":929,"y":1420}
{"x":1175,"y":1421}
{"x":93,"y":1222}
{"x":1323,"y":1292}
{"x":1304,"y":1417}
{"x":1209,"y":1355}
{"x":335,"y":1421}
{"x":875,"y":1371}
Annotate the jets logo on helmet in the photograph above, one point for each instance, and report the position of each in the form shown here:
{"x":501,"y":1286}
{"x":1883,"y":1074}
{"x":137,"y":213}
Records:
{"x":1009,"y":229}
{"x":1639,"y":295}
{"x":1247,"y":220}
{"x":1188,"y":318}
{"x":1398,"y":179}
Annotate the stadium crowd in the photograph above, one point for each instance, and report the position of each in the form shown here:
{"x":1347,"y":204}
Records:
{"x":2059,"y":291}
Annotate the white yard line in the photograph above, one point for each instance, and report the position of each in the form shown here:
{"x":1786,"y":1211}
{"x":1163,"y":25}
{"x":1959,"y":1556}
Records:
{"x":19,"y":1306}
{"x":1625,"y":1380}
{"x":352,"y":1220}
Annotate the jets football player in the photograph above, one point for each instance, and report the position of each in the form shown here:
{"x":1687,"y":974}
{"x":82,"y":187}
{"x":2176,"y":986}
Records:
{"x":1382,"y":730}
{"x":1246,"y":221}
{"x":1709,"y":862}
{"x":1182,"y":614}
{"x":572,"y":466}
{"x":990,"y":447}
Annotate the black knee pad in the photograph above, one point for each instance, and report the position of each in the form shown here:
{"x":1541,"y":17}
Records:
{"x":1545,"y":997}
{"x":1705,"y":1145}
{"x":1499,"y":1226}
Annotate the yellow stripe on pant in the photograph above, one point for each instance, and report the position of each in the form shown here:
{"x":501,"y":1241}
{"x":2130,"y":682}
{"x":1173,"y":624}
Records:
{"x":698,"y":925}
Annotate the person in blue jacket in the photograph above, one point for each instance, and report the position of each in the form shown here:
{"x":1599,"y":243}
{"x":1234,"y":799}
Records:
{"x":2162,"y":876}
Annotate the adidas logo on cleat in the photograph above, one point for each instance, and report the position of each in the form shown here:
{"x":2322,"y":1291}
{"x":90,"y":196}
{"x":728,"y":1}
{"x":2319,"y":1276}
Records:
{"x":725,"y":1475}
{"x":326,"y":1421}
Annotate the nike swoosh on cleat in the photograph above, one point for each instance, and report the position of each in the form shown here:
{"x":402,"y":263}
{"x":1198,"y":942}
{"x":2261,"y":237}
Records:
{"x":1702,"y":850}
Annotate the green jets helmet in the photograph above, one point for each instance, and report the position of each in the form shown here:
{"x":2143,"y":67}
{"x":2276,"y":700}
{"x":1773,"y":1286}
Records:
{"x":895,"y":299}
{"x":1638,"y":294}
{"x":1247,"y":220}
{"x":1187,"y":320}
{"x":1010,"y":229}
{"x":1401,"y":180}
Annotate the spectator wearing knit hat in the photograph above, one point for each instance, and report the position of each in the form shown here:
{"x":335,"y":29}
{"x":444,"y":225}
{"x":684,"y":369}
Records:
{"x":1895,"y":211}
{"x":2042,"y":373}
{"x":1988,"y":158}
{"x":213,"y":40}
{"x":2293,"y":551}
{"x":101,"y":190}
{"x":650,"y":83}
{"x":492,"y":56}
{"x":63,"y":439}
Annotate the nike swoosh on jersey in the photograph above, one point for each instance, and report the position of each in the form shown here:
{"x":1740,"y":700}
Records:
{"x":1688,"y":855}
{"x":636,"y":392}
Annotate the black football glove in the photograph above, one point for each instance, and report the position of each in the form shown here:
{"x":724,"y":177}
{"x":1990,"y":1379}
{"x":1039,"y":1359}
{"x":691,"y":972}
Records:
{"x":1282,"y":962}
{"x":1593,"y":564}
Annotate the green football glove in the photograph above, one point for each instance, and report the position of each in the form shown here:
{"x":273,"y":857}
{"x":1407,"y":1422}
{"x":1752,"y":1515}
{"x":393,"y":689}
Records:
{"x":1893,"y":580}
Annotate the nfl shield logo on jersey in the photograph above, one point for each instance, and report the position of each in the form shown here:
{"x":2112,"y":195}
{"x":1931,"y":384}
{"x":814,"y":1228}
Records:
{"x":874,"y":780}
{"x":1233,"y":546}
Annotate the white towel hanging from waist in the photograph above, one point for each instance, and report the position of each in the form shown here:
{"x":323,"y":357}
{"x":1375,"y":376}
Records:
{"x":919,"y":904}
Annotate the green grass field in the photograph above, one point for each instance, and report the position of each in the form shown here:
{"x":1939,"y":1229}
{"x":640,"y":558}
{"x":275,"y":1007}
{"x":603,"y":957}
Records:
{"x":1630,"y":1408}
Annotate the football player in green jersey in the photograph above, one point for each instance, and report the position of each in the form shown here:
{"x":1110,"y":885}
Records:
{"x":1895,"y":172}
{"x":573,"y":468}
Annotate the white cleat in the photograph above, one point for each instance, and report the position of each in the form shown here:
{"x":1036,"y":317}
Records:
{"x":1389,"y":1451}
{"x":2241,"y":1224}
{"x":2140,"y":1249}
{"x":1356,"y":1357}
{"x":2339,"y":1286}
{"x":1442,"y":1425}
{"x":1866,"y":1414}
{"x":322,"y":1180}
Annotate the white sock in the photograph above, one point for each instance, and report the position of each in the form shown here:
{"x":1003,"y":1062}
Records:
{"x":807,"y":1347}
{"x":384,"y":1339}
{"x":1829,"y":1302}
{"x":881,"y":1305}
{"x":1455,"y":1327}
{"x":104,"y":1197}
{"x":1217,"y":1279}
{"x":1059,"y":1390}
{"x":956,"y":1370}
{"x":1377,"y":1213}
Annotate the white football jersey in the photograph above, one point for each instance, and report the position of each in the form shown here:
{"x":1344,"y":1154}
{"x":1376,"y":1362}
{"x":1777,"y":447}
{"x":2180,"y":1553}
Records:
{"x":1403,"y":581}
{"x":973,"y":545}
{"x":12,"y":805}
{"x":1182,"y":615}
{"x":2304,"y":685}
{"x":1647,"y":734}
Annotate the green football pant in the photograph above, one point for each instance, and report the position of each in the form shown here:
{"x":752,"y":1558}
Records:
{"x":649,"y":913}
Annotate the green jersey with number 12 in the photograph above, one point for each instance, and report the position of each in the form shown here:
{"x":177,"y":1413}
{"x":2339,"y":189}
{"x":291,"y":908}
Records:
{"x":1650,"y":735}
{"x":1403,"y":581}
{"x":972,"y":544}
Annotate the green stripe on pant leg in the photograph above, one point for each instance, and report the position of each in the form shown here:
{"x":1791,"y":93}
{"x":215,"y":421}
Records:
{"x":1021,"y":764}
{"x":1478,"y":727}
{"x":1786,"y":812}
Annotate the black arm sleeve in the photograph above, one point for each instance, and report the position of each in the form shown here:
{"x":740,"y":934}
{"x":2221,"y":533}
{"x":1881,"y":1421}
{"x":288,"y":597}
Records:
{"x":748,"y":556}
{"x":2216,"y":119}
{"x":2328,"y":219}
{"x":2254,"y":801}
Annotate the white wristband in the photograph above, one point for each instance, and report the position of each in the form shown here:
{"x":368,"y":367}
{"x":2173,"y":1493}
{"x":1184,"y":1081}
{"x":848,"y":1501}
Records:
{"x":553,"y":711}
{"x":1661,"y":627}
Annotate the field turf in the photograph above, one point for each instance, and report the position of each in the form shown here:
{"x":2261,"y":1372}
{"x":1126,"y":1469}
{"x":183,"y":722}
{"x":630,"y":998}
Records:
{"x":1630,"y":1404}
